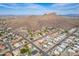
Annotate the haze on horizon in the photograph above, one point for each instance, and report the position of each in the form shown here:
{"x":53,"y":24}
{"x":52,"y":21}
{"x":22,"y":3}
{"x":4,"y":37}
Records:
{"x":38,"y":8}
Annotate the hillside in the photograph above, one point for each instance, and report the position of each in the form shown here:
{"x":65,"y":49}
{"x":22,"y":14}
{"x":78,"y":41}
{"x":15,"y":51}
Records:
{"x":36,"y":22}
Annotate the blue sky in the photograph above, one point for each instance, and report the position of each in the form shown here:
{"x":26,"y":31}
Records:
{"x":38,"y":8}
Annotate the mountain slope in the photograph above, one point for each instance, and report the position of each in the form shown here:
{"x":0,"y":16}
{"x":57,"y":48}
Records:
{"x":37,"y":22}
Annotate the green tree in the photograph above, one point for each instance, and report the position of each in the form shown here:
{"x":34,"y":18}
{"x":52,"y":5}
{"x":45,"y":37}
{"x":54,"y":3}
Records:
{"x":66,"y":31}
{"x":26,"y":50}
{"x":30,"y":33}
{"x":0,"y":34}
{"x":23,"y":50}
{"x":40,"y":33}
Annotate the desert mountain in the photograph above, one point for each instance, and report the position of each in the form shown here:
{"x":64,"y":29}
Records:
{"x":37,"y":22}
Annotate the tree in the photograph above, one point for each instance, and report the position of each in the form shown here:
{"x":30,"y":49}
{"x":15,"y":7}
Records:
{"x":1,"y":33}
{"x":30,"y":33}
{"x":46,"y":30}
{"x":31,"y":38}
{"x":23,"y":50}
{"x":40,"y":33}
{"x":66,"y":31}
{"x":26,"y":50}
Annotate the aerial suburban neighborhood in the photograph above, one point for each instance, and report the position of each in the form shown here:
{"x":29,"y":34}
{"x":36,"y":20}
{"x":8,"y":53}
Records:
{"x":48,"y":41}
{"x":48,"y":34}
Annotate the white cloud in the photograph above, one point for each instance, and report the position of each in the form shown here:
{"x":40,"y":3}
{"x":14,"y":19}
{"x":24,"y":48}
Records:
{"x":29,"y":8}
